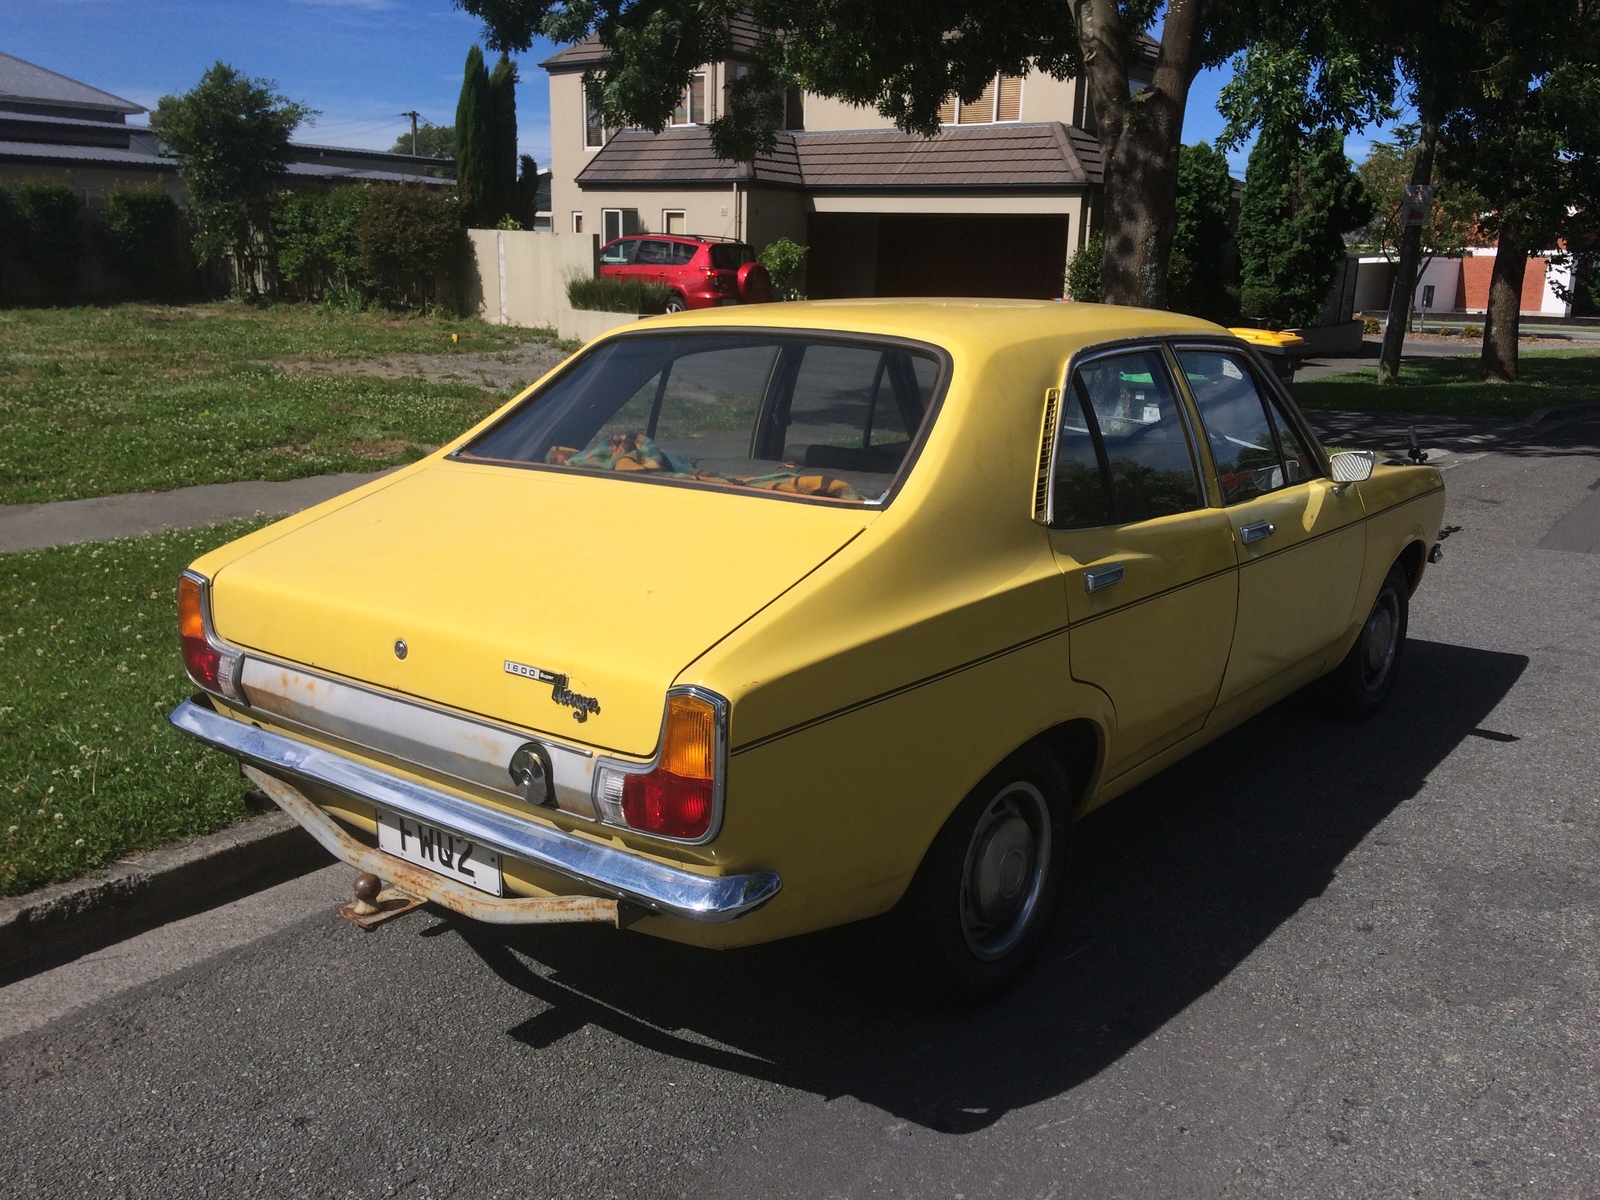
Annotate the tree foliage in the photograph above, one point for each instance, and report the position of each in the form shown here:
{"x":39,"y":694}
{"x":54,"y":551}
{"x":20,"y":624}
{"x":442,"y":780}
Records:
{"x":315,"y":236}
{"x":905,"y":60}
{"x":473,"y":150}
{"x":409,"y":241}
{"x":1524,"y":132}
{"x":1300,"y":196}
{"x":1083,"y":271}
{"x":1453,"y":221}
{"x":231,"y":136}
{"x":785,"y":262}
{"x":46,"y":223}
{"x":433,"y":141}
{"x":143,"y":230}
{"x":501,"y":199}
{"x":1198,"y":275}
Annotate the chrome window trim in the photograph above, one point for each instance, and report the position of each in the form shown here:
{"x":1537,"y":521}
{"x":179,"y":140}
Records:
{"x":719,"y":777}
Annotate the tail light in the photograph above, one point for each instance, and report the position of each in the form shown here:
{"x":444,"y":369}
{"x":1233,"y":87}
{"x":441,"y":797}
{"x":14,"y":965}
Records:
{"x":678,"y":795}
{"x":210,"y":663}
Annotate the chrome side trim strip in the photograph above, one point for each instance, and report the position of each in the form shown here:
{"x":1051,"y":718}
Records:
{"x":658,"y":887}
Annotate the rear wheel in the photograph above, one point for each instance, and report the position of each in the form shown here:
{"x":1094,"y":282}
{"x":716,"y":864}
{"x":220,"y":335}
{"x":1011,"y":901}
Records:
{"x":1360,"y":685}
{"x":980,"y":905}
{"x":676,"y":303}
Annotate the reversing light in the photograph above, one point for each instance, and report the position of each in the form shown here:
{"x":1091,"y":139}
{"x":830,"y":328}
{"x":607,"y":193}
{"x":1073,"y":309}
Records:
{"x":677,"y":797}
{"x":209,"y":663}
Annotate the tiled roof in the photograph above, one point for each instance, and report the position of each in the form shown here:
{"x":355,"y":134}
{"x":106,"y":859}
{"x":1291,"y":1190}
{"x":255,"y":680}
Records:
{"x":1046,"y":156}
{"x":590,"y":52}
{"x":635,"y":157}
{"x":22,"y":82}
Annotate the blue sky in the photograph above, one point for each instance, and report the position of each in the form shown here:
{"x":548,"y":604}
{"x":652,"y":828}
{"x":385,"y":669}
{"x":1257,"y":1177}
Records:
{"x":360,"y":62}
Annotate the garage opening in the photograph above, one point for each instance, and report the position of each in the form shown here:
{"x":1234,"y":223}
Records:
{"x":866,"y":254}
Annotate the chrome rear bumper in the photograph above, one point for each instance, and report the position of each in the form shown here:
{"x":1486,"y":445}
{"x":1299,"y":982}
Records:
{"x":657,"y":887}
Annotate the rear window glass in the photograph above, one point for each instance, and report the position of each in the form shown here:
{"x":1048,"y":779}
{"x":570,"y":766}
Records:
{"x":798,"y":415}
{"x":731,"y":258}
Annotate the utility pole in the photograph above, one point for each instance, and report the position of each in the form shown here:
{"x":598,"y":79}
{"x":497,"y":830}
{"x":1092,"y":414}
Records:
{"x":413,"y":114}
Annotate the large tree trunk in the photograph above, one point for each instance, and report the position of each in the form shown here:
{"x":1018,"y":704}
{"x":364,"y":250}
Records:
{"x":1501,"y":326}
{"x":1405,"y":277}
{"x":1139,"y":139}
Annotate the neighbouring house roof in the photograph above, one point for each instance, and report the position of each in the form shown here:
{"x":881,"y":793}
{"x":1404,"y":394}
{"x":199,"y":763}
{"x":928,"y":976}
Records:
{"x":23,"y":83}
{"x":331,"y":171}
{"x":744,"y":34}
{"x":1044,"y":156}
{"x":44,"y":153}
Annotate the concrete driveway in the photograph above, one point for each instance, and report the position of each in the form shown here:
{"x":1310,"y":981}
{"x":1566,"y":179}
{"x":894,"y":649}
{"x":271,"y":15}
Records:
{"x":1315,"y":959}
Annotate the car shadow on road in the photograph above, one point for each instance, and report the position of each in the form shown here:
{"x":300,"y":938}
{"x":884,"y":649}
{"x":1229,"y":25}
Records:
{"x":1178,"y":882}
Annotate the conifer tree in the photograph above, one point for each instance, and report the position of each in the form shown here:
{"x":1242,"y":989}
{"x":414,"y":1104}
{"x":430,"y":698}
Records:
{"x":501,"y":168}
{"x":474,"y":174}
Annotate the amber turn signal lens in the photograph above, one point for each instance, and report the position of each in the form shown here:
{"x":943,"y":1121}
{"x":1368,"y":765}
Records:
{"x":688,"y":746}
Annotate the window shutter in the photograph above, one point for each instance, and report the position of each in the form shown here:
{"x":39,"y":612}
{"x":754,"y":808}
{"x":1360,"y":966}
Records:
{"x":1009,"y":107}
{"x":981,"y":110}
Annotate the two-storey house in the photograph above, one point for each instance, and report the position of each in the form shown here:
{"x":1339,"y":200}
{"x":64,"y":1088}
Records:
{"x":994,"y":205}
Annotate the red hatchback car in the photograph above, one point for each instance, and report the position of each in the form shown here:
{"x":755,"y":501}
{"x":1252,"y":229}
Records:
{"x":702,"y":272}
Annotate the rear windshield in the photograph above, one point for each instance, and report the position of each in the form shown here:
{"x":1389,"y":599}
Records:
{"x":731,"y":258}
{"x":799,"y":415}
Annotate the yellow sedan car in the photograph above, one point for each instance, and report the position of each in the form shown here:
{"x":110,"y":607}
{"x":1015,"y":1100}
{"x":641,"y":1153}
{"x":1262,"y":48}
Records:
{"x":743,"y":623}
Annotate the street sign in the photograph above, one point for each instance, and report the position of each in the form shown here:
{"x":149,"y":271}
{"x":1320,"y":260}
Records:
{"x":1418,"y":204}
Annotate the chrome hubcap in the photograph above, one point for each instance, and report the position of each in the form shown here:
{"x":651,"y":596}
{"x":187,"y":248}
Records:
{"x":1005,"y":870}
{"x":1379,"y":639}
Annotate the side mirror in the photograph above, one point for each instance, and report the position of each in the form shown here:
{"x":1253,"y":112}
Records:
{"x":1352,"y":466}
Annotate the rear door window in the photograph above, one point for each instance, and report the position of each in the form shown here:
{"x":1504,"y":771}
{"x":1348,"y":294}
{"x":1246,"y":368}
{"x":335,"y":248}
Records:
{"x":1122,"y":446}
{"x":790,"y":414}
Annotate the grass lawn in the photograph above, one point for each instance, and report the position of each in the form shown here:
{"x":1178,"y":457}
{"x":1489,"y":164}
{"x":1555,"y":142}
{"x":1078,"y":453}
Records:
{"x":89,"y":669}
{"x":95,"y":401}
{"x":1546,"y":378}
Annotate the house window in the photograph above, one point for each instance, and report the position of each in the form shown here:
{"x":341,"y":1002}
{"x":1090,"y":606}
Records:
{"x":672,"y":221}
{"x":794,"y":109}
{"x":577,"y":222}
{"x":594,"y":129}
{"x":691,"y":108}
{"x":615,"y":222}
{"x":1001,"y":101}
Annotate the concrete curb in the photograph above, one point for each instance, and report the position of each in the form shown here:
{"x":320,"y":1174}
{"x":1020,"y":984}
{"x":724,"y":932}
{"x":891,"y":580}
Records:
{"x":1561,"y":410}
{"x":64,"y":921}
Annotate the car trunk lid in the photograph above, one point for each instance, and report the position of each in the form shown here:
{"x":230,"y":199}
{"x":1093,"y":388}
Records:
{"x":500,"y":580}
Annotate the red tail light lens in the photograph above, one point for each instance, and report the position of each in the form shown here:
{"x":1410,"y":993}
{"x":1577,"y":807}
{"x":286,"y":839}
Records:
{"x":678,"y":798}
{"x":210,"y":666}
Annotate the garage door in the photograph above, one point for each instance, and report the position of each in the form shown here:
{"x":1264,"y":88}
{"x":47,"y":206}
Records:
{"x":1023,"y":257}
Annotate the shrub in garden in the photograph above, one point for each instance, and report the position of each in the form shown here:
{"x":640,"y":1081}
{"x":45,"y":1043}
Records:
{"x":144,"y":238}
{"x":785,"y":261}
{"x":408,"y":240}
{"x":47,"y":232}
{"x":318,"y":247}
{"x":1083,"y":271}
{"x":617,"y":295}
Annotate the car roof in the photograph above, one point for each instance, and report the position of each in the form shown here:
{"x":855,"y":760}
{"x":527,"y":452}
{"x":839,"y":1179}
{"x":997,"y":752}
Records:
{"x":948,"y":321}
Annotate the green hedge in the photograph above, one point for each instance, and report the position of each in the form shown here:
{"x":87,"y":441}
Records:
{"x":146,"y":241}
{"x":618,"y":295}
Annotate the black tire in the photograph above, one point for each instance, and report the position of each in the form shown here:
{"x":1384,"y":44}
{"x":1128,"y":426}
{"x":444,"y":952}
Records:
{"x":1360,"y":685}
{"x":980,"y":905}
{"x":676,"y":303}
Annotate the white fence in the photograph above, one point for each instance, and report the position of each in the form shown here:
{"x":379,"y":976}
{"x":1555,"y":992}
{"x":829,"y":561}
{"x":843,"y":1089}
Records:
{"x":521,"y":275}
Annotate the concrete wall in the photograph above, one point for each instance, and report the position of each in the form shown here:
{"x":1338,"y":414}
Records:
{"x":519,"y":277}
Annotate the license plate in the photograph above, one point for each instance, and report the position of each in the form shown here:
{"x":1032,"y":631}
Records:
{"x":439,"y":850}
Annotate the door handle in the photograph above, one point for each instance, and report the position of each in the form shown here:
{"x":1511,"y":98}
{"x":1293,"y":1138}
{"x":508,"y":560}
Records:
{"x":1103,"y":577}
{"x":1255,"y":531}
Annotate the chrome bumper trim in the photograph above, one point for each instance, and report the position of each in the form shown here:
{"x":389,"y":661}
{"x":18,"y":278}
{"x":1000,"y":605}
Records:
{"x":655,"y":886}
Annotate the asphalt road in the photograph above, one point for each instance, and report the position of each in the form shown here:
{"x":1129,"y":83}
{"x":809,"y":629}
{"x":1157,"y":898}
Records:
{"x":1312,"y":960}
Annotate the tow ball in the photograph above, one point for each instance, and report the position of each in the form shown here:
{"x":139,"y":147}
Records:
{"x":374,"y":904}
